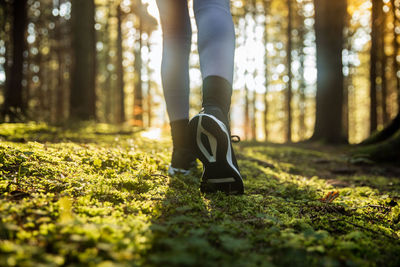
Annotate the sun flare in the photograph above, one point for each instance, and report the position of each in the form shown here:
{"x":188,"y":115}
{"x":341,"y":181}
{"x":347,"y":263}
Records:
{"x":152,"y":133}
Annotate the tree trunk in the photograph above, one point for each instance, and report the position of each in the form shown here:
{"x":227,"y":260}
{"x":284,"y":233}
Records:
{"x":120,"y":69}
{"x":149,"y":89}
{"x":4,"y":17}
{"x":375,"y":27}
{"x":254,"y":117}
{"x":254,"y":93}
{"x":41,"y":60}
{"x":385,"y":134}
{"x":266,"y":73}
{"x":329,"y":24}
{"x":82,"y":93}
{"x":14,"y":105}
{"x":347,"y":83}
{"x":386,"y":151}
{"x":138,"y":94}
{"x":396,"y":53}
{"x":246,"y":112}
{"x":289,"y":71}
{"x":246,"y":89}
{"x":108,"y":81}
{"x":93,"y":55}
{"x":149,"y":102}
{"x":302,"y":87}
{"x":60,"y":95}
{"x":385,"y":113}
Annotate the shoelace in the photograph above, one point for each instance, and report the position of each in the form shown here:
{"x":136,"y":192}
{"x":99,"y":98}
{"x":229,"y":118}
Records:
{"x":235,"y":138}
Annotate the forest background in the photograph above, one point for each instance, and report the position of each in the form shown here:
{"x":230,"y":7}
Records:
{"x":101,"y":61}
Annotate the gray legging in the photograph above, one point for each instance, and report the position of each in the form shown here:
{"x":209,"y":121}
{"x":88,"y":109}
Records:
{"x":216,"y":45}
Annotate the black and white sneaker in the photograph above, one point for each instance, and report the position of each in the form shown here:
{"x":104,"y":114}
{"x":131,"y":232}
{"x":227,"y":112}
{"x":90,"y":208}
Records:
{"x":183,"y":158}
{"x":182,"y":162}
{"x":210,"y":135}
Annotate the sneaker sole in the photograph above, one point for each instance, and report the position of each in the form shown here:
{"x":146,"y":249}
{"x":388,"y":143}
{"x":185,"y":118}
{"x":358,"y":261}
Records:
{"x":219,"y":172}
{"x":175,"y":171}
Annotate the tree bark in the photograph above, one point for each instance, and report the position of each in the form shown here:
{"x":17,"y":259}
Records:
{"x":60,"y":95}
{"x":254,"y":93}
{"x":347,"y":83}
{"x":246,"y":89}
{"x":108,"y":89}
{"x":82,"y":92}
{"x":149,"y":88}
{"x":302,"y":87}
{"x":383,"y":59}
{"x":120,"y":69}
{"x":138,"y":93}
{"x":329,"y":24}
{"x":375,"y":27}
{"x":246,"y":112}
{"x":385,"y":134}
{"x":385,"y":151}
{"x":396,"y":53}
{"x":14,"y":105}
{"x":289,"y":71}
{"x":266,"y":73}
{"x":4,"y":17}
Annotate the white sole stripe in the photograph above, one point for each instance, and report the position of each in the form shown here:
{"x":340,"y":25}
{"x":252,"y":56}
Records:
{"x":173,"y":171}
{"x":221,"y":180}
{"x":211,"y":139}
{"x":229,"y":150}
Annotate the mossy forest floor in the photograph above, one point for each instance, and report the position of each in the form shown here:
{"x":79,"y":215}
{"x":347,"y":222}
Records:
{"x":99,"y":196}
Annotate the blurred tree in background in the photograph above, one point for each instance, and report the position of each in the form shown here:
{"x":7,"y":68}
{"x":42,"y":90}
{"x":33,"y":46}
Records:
{"x":82,"y":93}
{"x":14,"y":107}
{"x":329,"y":26}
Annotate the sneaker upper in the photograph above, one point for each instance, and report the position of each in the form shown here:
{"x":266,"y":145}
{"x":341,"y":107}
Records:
{"x":182,"y":155}
{"x":183,"y":159}
{"x":219,"y":114}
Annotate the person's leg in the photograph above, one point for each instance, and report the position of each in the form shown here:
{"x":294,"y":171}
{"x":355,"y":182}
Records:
{"x":177,"y":35}
{"x":216,"y":45}
{"x":210,"y":131}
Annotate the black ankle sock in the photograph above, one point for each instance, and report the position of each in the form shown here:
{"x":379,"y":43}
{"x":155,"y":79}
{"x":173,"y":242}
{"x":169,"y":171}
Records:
{"x":217,"y":92}
{"x":180,"y":133}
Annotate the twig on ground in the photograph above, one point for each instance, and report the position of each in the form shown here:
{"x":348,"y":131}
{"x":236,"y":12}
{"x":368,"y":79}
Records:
{"x":158,"y":175}
{"x":394,"y":237}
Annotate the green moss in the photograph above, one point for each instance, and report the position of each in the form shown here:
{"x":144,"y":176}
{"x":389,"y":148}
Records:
{"x":100,"y":195}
